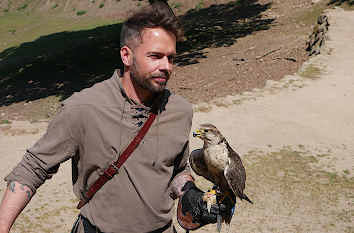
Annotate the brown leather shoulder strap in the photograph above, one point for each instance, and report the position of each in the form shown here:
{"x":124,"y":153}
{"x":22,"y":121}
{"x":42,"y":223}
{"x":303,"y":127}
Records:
{"x":113,"y":168}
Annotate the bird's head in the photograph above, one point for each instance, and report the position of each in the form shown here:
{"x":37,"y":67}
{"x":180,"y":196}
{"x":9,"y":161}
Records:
{"x":209,"y":134}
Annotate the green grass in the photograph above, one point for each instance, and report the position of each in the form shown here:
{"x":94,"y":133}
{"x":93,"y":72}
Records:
{"x":311,"y":72}
{"x":296,"y":169}
{"x":81,"y":12}
{"x":199,"y":5}
{"x":23,"y":7}
{"x":284,"y":185}
{"x":12,"y":31}
{"x":30,"y":28}
{"x":54,"y":56}
{"x":345,"y":4}
{"x":310,"y":17}
{"x":176,"y":4}
{"x":55,"y":6}
{"x":2,"y":122}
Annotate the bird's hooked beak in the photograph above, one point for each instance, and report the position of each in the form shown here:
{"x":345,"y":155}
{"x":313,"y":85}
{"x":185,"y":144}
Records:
{"x":196,"y":133}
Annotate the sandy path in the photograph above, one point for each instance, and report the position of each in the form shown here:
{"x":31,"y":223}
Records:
{"x":315,"y":115}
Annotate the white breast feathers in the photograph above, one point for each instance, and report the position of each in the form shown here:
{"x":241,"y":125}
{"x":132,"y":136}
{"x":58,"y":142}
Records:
{"x":216,"y":157}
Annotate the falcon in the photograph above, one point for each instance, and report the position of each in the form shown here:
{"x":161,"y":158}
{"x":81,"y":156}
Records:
{"x":221,"y":165}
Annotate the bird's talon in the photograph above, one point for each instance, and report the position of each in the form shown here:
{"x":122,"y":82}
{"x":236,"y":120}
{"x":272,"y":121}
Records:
{"x":225,"y":195}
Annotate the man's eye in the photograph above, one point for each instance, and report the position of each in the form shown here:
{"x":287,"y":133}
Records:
{"x":155,"y":56}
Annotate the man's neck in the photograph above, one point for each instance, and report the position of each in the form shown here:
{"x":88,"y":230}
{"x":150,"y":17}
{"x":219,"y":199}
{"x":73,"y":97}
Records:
{"x":135,"y":92}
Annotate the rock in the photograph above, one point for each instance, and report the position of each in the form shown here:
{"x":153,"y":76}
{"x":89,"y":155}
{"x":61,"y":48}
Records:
{"x":322,"y":27}
{"x":273,"y":84}
{"x":315,"y":29}
{"x":318,"y":36}
{"x":322,"y":19}
{"x":312,"y":39}
{"x":316,"y":39}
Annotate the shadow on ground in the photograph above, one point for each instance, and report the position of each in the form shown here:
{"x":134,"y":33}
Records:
{"x":58,"y":64}
{"x":340,"y":2}
{"x":62,"y":63}
{"x":217,"y":26}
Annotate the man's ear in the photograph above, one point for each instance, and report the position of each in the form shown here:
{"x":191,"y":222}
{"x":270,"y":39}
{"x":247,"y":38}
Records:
{"x":126,"y":55}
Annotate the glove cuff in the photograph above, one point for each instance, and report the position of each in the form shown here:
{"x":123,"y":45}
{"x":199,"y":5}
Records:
{"x":186,"y":220}
{"x":188,"y":185}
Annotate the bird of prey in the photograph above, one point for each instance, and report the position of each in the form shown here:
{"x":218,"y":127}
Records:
{"x":221,"y":165}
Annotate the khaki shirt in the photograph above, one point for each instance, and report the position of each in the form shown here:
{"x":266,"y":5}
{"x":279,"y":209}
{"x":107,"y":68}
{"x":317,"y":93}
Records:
{"x":92,"y":128}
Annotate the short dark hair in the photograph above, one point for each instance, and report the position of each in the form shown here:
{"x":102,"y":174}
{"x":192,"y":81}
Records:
{"x":157,"y":15}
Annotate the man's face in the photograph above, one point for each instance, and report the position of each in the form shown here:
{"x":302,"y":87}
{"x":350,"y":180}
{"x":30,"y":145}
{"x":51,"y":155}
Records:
{"x":152,"y":61}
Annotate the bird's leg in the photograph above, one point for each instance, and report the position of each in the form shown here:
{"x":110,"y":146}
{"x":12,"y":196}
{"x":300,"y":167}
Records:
{"x":210,"y":198}
{"x":225,"y":195}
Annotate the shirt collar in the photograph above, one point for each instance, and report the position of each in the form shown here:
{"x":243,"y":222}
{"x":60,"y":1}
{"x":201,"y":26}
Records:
{"x":156,"y":103}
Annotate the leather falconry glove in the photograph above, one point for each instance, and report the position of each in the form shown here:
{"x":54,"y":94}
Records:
{"x":192,"y":211}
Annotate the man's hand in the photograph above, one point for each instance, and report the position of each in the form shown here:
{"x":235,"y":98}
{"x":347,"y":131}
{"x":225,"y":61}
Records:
{"x":192,"y":212}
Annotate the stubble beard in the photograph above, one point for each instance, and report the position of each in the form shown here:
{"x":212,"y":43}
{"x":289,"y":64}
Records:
{"x":145,"y":82}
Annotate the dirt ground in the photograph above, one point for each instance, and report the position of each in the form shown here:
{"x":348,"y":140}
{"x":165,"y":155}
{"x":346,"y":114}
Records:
{"x":311,"y":117}
{"x":229,"y":49}
{"x":295,"y":135}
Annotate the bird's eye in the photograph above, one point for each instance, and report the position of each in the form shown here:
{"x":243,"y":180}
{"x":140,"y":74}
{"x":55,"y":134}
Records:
{"x":205,"y":130}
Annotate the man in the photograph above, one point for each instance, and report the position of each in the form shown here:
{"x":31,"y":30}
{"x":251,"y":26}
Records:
{"x":95,"y":125}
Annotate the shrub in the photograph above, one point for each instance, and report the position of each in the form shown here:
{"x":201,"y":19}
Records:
{"x":81,"y":12}
{"x":5,"y":122}
{"x":101,"y":5}
{"x":176,"y":4}
{"x":55,"y":6}
{"x":22,"y":7}
{"x":199,"y":5}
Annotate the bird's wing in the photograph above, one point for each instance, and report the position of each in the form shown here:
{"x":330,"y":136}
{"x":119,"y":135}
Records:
{"x":235,"y":174}
{"x":196,"y":160}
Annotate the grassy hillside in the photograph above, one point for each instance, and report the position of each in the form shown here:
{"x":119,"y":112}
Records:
{"x":55,"y":50}
{"x":50,"y":48}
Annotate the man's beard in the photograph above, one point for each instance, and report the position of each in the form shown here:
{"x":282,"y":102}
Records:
{"x":146,"y":82}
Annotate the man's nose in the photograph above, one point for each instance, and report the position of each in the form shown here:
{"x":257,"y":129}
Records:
{"x":165,"y":64}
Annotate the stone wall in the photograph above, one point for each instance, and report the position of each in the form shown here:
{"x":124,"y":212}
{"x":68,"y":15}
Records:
{"x":318,"y":35}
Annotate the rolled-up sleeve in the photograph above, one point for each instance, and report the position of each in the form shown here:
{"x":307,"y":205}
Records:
{"x":42,"y":161}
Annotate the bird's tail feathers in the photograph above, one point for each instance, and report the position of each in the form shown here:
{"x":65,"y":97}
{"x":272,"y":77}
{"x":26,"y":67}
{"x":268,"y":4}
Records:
{"x":246,"y":198}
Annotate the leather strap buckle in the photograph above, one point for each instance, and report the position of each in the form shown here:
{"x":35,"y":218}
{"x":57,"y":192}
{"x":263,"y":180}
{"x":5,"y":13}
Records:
{"x":111,"y":171}
{"x":115,"y":167}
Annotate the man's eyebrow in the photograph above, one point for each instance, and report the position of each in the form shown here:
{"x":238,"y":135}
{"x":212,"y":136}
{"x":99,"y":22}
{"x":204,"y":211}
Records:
{"x":161,"y":53}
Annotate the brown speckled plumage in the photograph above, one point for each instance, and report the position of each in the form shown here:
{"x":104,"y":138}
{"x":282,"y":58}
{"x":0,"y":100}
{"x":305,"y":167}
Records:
{"x":218,"y":162}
